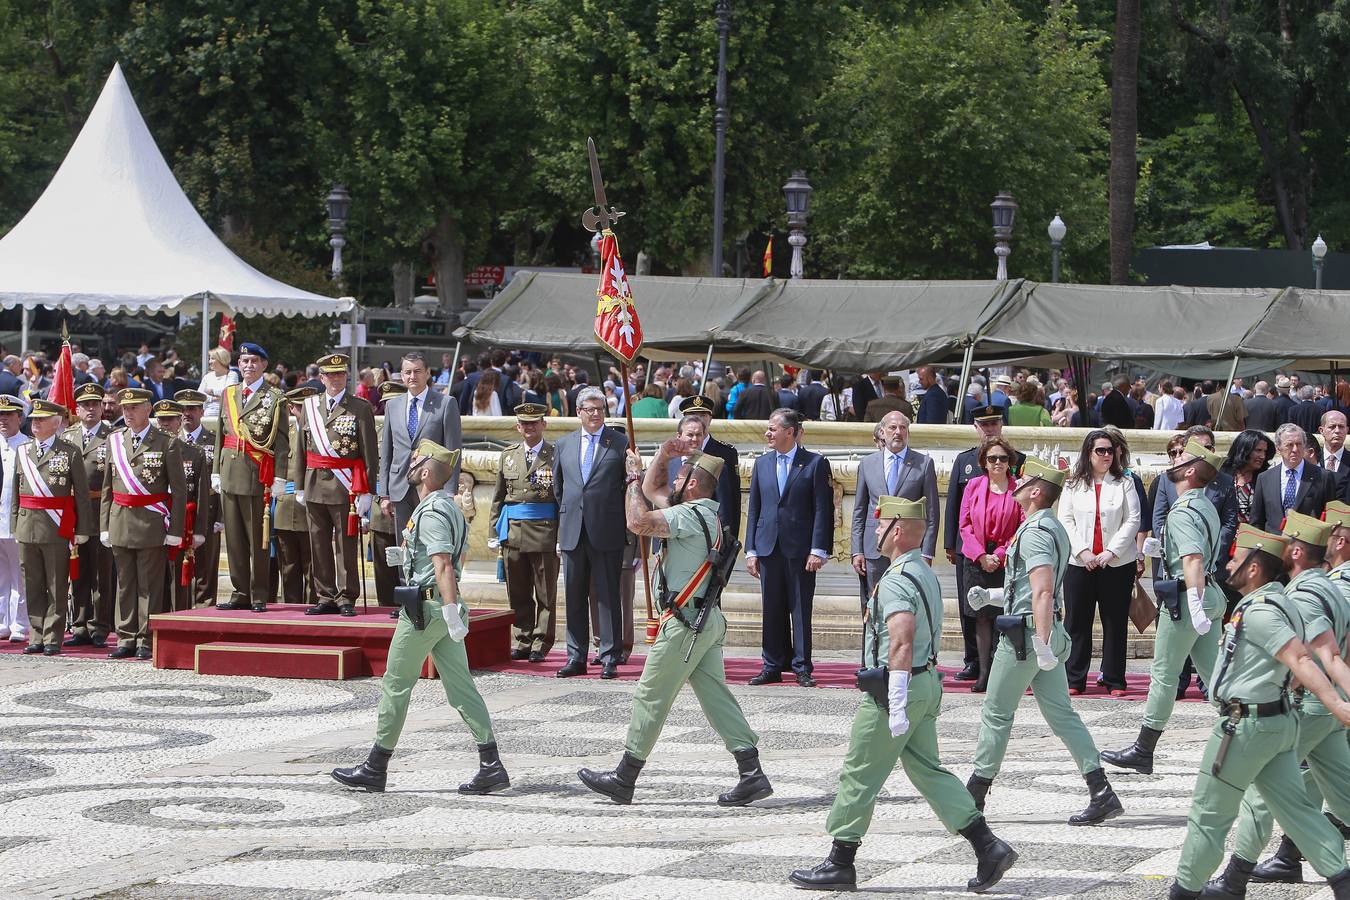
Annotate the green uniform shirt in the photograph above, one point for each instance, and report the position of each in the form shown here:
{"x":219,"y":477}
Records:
{"x":687,"y":548}
{"x":896,"y":593}
{"x":1040,"y":541}
{"x":1322,"y":608}
{"x":437,"y":527}
{"x":1193,"y":528}
{"x":1264,"y":621}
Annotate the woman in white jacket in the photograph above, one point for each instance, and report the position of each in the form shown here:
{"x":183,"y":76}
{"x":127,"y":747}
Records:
{"x":1100,"y":510}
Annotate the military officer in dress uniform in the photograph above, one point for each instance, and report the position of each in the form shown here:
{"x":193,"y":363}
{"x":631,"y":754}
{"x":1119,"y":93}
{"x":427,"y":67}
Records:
{"x":1321,"y":743}
{"x":290,"y":522}
{"x":51,"y":515}
{"x":206,"y":576}
{"x":142,"y":513}
{"x":1033,"y":646}
{"x":902,"y":629}
{"x":334,"y":481}
{"x":728,"y":495}
{"x":1255,"y":738}
{"x":168,"y":416}
{"x":1190,"y":550}
{"x":252,"y":436}
{"x":432,"y":558}
{"x":524,"y":521}
{"x":686,"y":519}
{"x":92,"y":589}
{"x":380,"y":526}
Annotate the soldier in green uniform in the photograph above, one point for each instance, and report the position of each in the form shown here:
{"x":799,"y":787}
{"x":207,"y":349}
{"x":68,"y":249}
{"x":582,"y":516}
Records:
{"x":524,"y":521}
{"x":50,"y":516}
{"x":1254,"y":740}
{"x":1190,"y":551}
{"x":290,"y":525}
{"x":1033,"y":646}
{"x":432,"y":557}
{"x":686,"y":517}
{"x":168,"y":417}
{"x":334,"y":474}
{"x":252,"y":437}
{"x":206,"y":567}
{"x":1321,"y":739}
{"x":902,"y":628}
{"x":92,"y":589}
{"x":144,"y":504}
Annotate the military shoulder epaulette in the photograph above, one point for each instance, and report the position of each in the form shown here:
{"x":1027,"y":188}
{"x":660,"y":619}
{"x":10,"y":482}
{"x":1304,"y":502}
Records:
{"x":514,"y":446}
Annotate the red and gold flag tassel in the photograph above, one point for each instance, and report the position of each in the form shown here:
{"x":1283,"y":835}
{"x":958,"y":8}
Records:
{"x":266,"y":517}
{"x":74,"y":564}
{"x":353,"y":520}
{"x":188,"y":569}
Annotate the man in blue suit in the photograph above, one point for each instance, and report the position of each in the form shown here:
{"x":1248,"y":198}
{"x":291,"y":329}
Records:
{"x":789,"y":533}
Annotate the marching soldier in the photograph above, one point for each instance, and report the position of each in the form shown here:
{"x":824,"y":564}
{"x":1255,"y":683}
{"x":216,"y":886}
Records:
{"x":897,"y":721}
{"x":168,"y":416}
{"x":524,"y":521}
{"x":686,"y":517}
{"x":436,"y":621}
{"x":206,"y":576}
{"x":142,"y":512}
{"x":92,"y":589}
{"x":50,"y":517}
{"x":1191,"y":546}
{"x":1033,"y":603}
{"x":380,"y":526}
{"x":1254,"y":740}
{"x":290,"y":523}
{"x":332,"y":480}
{"x":252,"y":435}
{"x":1321,"y":743}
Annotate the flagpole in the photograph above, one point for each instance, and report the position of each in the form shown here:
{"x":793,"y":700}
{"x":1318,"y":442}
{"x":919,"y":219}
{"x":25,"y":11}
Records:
{"x":653,"y":626}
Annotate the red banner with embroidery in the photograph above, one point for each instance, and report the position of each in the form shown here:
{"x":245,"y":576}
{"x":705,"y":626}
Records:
{"x":616,"y":319}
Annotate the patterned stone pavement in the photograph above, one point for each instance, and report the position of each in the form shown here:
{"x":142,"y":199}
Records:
{"x":117,"y":780}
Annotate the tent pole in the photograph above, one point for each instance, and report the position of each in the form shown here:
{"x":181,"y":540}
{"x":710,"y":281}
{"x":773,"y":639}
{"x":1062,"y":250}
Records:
{"x":1227,"y":392}
{"x":206,"y":327}
{"x":23,"y":330}
{"x":454,"y":365}
{"x":965,"y":381}
{"x":706,"y":366}
{"x":355,"y":367}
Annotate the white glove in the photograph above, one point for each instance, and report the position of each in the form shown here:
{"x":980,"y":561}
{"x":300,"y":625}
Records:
{"x":171,"y":541}
{"x":198,"y":540}
{"x":393,"y":556}
{"x":980,"y":597}
{"x":454,"y":623}
{"x":1195,"y":599}
{"x":300,"y":497}
{"x":494,"y":544}
{"x":218,"y":527}
{"x":278,"y":486}
{"x":215,"y":482}
{"x":363,"y":504}
{"x":1045,"y":659}
{"x":1153,"y":548}
{"x":104,"y":539}
{"x":897,"y":694}
{"x":81,"y":538}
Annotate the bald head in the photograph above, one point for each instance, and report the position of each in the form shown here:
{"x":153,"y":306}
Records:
{"x":759,"y":378}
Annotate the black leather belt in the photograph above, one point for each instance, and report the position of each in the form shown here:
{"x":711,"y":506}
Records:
{"x":919,"y":670}
{"x":1258,"y":710}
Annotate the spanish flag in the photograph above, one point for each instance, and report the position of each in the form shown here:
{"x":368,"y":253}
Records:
{"x":768,"y":259}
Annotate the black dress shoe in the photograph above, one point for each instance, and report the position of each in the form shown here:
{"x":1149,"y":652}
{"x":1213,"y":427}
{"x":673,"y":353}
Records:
{"x":766,"y":677}
{"x":234,"y":604}
{"x":573,"y":667}
{"x":32,"y":649}
{"x":537,"y":657}
{"x":348,"y":611}
{"x":98,"y":640}
{"x":596,"y":660}
{"x":51,"y":650}
{"x":393,"y":614}
{"x":260,"y":607}
{"x":804,"y":679}
{"x":623,"y":658}
{"x":326,"y":609}
{"x":122,"y":653}
{"x":142,"y":652}
{"x":610,"y":670}
{"x":969,"y":673}
{"x":520,"y":654}
{"x":79,"y":640}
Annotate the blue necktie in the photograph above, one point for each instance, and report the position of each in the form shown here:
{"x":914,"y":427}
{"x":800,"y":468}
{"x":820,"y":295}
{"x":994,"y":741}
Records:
{"x":1290,"y":489}
{"x":412,"y":420}
{"x":782,"y":472}
{"x":588,"y":458}
{"x":893,"y":476}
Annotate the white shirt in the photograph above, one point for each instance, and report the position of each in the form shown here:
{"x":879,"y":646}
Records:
{"x":195,"y":436}
{"x":1167,"y":413}
{"x":139,"y":438}
{"x":1284,"y":477}
{"x":332,"y":400}
{"x":10,"y":460}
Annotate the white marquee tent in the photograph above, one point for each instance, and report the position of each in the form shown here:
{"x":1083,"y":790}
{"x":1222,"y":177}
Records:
{"x":114,"y":232}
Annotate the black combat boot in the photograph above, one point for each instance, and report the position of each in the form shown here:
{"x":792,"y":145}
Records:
{"x":836,"y":873}
{"x":1343,"y":828}
{"x":992,"y":856}
{"x":1138,"y":756}
{"x":978,"y":786}
{"x":1103,"y":803}
{"x":754,"y":784}
{"x":1232,"y":881}
{"x":1285,"y":867}
{"x":371,"y":774}
{"x":1178,"y":892}
{"x":1340,"y":885}
{"x":617,"y":785}
{"x":491,"y":774}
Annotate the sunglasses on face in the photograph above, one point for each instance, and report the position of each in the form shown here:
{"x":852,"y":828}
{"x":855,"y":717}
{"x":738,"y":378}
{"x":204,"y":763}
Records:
{"x":1104,"y":451}
{"x":995,"y":459}
{"x":1173,"y":454}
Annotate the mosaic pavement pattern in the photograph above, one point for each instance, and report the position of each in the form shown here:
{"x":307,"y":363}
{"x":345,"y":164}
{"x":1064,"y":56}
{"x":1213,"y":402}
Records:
{"x":123,"y":781}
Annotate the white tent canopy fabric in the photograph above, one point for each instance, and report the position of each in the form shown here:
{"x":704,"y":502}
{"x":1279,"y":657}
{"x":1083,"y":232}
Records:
{"x":114,"y":232}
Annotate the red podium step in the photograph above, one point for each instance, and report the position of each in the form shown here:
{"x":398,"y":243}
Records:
{"x":278,"y":660}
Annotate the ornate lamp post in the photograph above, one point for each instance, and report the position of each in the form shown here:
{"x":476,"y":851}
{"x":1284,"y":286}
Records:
{"x":1057,"y":230}
{"x":1005,"y":210}
{"x":797,"y":192}
{"x":339,"y":205}
{"x":1319,"y":252}
{"x":720,"y":119}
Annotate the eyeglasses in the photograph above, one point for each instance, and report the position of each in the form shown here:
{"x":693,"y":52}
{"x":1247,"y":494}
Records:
{"x":590,"y":409}
{"x":1104,"y":451}
{"x":995,"y":459}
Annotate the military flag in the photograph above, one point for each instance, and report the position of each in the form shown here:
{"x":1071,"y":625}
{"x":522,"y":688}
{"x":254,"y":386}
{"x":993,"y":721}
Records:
{"x":616,"y":318}
{"x":768,"y":259}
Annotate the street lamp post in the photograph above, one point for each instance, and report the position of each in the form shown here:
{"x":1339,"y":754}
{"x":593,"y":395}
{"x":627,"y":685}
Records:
{"x":720,"y":118}
{"x":797,"y":192}
{"x":1319,"y":252}
{"x":1005,"y":210}
{"x":1057,"y":230}
{"x":339,"y":204}
{"x":595,"y":250}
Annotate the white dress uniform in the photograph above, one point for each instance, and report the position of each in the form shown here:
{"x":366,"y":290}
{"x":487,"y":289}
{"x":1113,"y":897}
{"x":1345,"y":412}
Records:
{"x":13,"y":604}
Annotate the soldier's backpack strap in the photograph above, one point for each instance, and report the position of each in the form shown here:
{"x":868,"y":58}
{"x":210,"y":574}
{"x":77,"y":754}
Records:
{"x":1230,"y":646}
{"x":934,"y":628}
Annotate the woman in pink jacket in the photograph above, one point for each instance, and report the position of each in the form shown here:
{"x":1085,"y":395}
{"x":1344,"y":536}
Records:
{"x":989,"y":518}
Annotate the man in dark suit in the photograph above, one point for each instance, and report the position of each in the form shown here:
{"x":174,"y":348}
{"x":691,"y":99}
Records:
{"x":1196,"y":412}
{"x":789,"y":533}
{"x":588,"y":480}
{"x":728,"y":493}
{"x":755,"y":401}
{"x":10,"y":385}
{"x":866,"y":389}
{"x":893,"y":471}
{"x":1283,"y":402}
{"x":1334,"y":458}
{"x":933,"y":407}
{"x":787,"y":393}
{"x":965,"y":469}
{"x":582,"y":382}
{"x":811,"y":393}
{"x":1261,"y":411}
{"x":1115,"y":408}
{"x":892,"y":400}
{"x":1307,"y":413}
{"x":1293,"y":484}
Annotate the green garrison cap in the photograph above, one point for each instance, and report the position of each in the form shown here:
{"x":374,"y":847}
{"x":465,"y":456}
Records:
{"x":433,"y":450}
{"x":1250,"y":537}
{"x":1197,"y":450}
{"x":1337,"y":514}
{"x":707,"y":462}
{"x":1034,"y":469}
{"x":1300,"y":527}
{"x":898,"y":508}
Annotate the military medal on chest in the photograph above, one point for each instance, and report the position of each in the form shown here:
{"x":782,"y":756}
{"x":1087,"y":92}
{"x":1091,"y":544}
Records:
{"x":101,"y":455}
{"x":152,"y":464}
{"x":58,"y":468}
{"x":345,"y":429}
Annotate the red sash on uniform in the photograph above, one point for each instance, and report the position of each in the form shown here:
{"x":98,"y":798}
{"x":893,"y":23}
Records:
{"x":357,"y":467}
{"x":66,"y":505}
{"x":122,"y":499}
{"x":266,"y":462}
